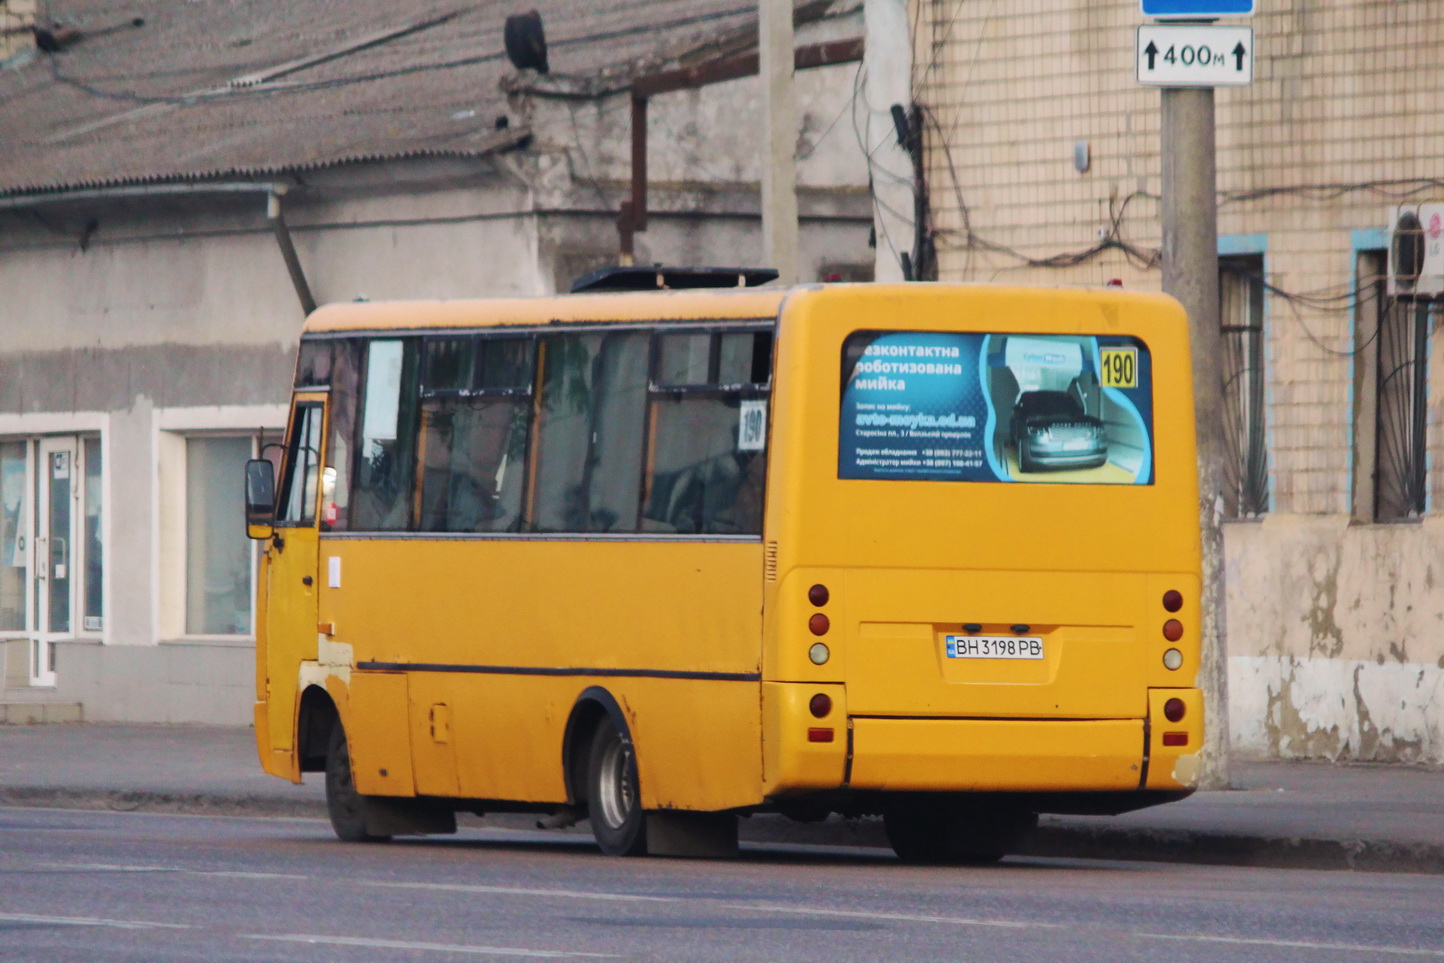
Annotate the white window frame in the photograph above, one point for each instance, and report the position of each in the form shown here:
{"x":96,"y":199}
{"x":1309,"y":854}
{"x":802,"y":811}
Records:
{"x":173,"y":428}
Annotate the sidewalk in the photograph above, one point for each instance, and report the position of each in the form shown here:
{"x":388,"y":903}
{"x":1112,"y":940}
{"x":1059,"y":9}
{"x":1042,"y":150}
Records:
{"x":1281,"y":814}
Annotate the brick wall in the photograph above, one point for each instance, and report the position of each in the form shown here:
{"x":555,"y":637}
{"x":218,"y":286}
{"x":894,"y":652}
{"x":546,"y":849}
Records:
{"x":1345,"y":118}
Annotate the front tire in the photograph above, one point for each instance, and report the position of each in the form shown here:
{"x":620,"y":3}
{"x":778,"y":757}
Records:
{"x":346,"y":806}
{"x":614,"y":802}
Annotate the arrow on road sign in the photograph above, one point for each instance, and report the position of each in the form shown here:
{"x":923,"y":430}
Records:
{"x":1178,"y":55}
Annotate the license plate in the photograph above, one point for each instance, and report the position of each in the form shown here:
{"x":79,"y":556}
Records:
{"x":994,"y":646}
{"x":1074,"y":445}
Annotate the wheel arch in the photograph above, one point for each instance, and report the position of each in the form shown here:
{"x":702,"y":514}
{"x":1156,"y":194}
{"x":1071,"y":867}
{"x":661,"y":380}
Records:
{"x":314,"y":720}
{"x":592,"y":705}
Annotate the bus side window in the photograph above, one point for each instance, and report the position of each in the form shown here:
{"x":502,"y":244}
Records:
{"x":386,"y":451}
{"x":297,"y":502}
{"x":336,"y":479}
{"x":707,"y":462}
{"x":590,"y":433}
{"x":475,"y":411}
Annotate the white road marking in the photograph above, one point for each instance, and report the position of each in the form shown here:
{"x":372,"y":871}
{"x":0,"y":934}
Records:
{"x":747,"y":907}
{"x":433,"y":947}
{"x":890,"y":917}
{"x":520,"y":891}
{"x":130,"y":868}
{"x":1297,"y":944}
{"x":91,"y":921}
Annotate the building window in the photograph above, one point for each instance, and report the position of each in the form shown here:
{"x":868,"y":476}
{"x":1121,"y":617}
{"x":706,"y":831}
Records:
{"x":52,"y":532}
{"x":219,"y":556}
{"x":1241,"y":309}
{"x":1391,"y":349}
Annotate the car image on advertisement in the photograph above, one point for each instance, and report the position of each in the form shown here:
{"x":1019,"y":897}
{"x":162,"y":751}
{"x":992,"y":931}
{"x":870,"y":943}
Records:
{"x":1051,"y":432}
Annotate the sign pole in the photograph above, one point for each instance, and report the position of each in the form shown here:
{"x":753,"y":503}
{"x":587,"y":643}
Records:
{"x":1190,"y":274}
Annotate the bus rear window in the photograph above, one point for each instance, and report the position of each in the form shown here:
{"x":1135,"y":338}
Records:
{"x":993,"y":407}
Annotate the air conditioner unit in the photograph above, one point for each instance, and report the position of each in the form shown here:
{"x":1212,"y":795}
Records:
{"x":1416,"y":251}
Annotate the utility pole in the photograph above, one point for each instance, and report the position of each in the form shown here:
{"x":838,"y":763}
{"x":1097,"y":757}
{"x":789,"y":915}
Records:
{"x":1190,"y":274}
{"x":779,"y":164}
{"x":887,"y":58}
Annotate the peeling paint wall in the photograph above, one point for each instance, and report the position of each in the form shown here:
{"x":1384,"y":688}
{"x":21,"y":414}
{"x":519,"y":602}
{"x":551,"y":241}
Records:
{"x":1336,"y":639}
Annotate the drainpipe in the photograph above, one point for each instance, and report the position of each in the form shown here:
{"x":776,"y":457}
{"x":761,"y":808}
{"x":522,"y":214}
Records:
{"x":288,"y":249}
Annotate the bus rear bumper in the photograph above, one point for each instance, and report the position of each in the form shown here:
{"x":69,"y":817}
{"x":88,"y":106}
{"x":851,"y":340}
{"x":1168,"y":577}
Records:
{"x":996,"y":755}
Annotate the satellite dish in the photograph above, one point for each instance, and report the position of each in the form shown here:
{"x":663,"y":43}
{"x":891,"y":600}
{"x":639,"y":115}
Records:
{"x":526,"y":42}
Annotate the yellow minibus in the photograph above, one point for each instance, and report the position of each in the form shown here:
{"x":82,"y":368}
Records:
{"x":660,"y":560}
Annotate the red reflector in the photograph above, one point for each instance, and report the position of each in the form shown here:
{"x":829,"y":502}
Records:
{"x":819,"y":735}
{"x":818,"y":595}
{"x":1173,"y":630}
{"x":819,"y":624}
{"x":1175,"y":738}
{"x":1174,"y":709}
{"x":820,"y":705}
{"x":1173,"y":600}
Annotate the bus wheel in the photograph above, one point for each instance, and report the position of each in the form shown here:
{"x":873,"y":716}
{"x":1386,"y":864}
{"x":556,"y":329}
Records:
{"x":346,"y":806}
{"x":614,"y":804}
{"x":934,"y":833}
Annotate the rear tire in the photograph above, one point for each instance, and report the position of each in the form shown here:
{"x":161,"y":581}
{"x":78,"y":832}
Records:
{"x":346,"y":806}
{"x":614,"y":802}
{"x":934,"y":832}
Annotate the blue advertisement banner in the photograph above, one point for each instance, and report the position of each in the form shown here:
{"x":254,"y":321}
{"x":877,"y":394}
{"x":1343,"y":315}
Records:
{"x":987,"y":407}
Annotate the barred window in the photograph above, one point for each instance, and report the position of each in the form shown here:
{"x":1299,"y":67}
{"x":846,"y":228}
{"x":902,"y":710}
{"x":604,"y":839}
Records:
{"x":1391,"y":396}
{"x":1241,"y":310}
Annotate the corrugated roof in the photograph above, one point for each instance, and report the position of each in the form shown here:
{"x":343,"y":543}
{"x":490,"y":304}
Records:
{"x":194,"y":93}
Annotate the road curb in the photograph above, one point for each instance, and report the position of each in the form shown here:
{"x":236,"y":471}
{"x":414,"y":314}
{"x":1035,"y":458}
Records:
{"x":1234,"y":849}
{"x":157,"y":801}
{"x":1049,"y":840}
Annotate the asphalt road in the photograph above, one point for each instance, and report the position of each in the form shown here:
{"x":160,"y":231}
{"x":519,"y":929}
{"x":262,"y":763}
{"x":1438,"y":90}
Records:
{"x":89,"y":886}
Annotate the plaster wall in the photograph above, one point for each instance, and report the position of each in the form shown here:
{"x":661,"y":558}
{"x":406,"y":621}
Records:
{"x":1345,"y":632}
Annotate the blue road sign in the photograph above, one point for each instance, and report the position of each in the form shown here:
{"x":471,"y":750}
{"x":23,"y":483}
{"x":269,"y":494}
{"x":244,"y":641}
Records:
{"x":1197,"y":9}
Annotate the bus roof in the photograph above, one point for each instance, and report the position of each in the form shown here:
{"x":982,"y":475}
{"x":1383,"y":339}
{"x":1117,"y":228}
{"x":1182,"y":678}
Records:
{"x":704,"y":304}
{"x":691,"y":305}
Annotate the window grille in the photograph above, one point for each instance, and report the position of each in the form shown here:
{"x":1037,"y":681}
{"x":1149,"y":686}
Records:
{"x":1241,"y":304}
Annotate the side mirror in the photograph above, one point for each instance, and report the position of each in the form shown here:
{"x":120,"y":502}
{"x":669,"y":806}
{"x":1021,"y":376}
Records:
{"x":260,"y":497}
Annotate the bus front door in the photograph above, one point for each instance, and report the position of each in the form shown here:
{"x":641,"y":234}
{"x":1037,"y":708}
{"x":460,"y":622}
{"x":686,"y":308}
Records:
{"x":291,"y":573}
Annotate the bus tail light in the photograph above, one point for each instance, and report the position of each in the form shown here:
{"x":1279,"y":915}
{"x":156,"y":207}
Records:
{"x":1172,"y":600}
{"x":1175,"y":738}
{"x":1173,"y":630}
{"x":818,"y":595}
{"x":819,"y":653}
{"x":820,"y":705}
{"x":819,"y":735}
{"x":819,"y":624}
{"x":1173,"y":659}
{"x":1174,"y":710}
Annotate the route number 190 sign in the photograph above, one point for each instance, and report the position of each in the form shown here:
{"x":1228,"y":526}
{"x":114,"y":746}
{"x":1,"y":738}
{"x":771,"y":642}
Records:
{"x":1171,"y":55}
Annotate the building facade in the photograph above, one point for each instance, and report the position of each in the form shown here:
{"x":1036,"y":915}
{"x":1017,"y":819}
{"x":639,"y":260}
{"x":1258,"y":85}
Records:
{"x":1043,"y":166}
{"x":162,"y":236}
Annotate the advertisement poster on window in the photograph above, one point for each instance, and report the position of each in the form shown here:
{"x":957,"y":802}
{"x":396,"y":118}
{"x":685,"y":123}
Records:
{"x":991,"y":407}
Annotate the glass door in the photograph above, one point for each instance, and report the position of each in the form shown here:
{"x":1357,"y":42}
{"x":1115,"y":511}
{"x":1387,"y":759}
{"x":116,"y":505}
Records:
{"x":16,"y":543}
{"x":58,"y":490}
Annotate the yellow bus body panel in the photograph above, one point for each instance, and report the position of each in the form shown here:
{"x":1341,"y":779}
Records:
{"x":996,"y":754}
{"x":506,"y":633}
